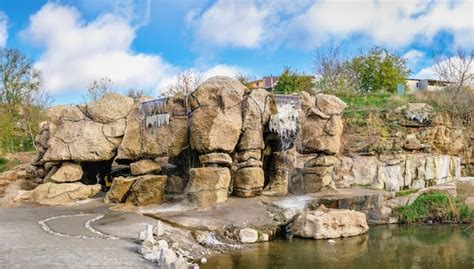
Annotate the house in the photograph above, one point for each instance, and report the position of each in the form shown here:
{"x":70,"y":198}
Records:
{"x":429,"y":85}
{"x":260,"y":83}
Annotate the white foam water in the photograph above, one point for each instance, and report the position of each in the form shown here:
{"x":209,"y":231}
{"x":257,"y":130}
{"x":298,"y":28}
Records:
{"x":285,"y":122}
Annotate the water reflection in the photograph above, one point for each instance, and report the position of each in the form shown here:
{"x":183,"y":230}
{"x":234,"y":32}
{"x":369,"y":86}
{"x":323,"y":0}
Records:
{"x":384,"y":247}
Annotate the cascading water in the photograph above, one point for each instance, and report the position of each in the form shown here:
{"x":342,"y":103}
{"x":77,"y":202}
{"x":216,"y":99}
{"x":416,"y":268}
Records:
{"x":155,"y":113}
{"x":285,"y":123}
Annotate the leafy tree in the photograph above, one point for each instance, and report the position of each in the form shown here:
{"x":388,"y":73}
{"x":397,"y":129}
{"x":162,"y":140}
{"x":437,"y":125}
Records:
{"x":290,"y":82}
{"x":379,"y":70}
{"x":19,"y":79}
{"x":22,"y":101}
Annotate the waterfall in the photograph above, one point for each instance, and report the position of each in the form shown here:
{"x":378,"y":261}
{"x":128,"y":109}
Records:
{"x":285,"y":122}
{"x":154,"y":113}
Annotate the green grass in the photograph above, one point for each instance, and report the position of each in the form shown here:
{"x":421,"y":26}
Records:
{"x":362,"y":105}
{"x":405,"y":192}
{"x":436,"y":207}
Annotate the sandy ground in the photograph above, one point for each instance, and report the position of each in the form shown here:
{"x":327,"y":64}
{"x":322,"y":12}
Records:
{"x":25,"y":244}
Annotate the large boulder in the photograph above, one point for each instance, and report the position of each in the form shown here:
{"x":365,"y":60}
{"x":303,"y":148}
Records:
{"x":147,"y":190}
{"x":321,"y":135}
{"x":59,"y":194}
{"x":208,"y":185}
{"x":79,"y":141}
{"x":321,"y":125}
{"x":256,"y":111}
{"x":248,"y":181}
{"x":109,"y":108}
{"x":119,"y":190}
{"x":213,"y":129}
{"x":219,"y":91}
{"x":166,"y":140}
{"x":330,"y":104}
{"x":216,"y":120}
{"x":68,"y":172}
{"x":329,"y":223}
{"x":143,"y":167}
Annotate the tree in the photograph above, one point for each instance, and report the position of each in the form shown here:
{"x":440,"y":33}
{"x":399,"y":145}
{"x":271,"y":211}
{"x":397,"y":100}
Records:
{"x":458,"y":97}
{"x":332,"y":67}
{"x":379,"y":70}
{"x":290,"y":82}
{"x":20,"y":79}
{"x":458,"y":69}
{"x":186,"y":82}
{"x":136,"y":94}
{"x":23,"y":101}
{"x":98,"y":88}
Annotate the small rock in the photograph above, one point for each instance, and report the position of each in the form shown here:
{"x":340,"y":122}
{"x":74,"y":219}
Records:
{"x":330,"y":241}
{"x":248,"y":235}
{"x":158,"y":230}
{"x":203,"y":260}
{"x":264,"y":237}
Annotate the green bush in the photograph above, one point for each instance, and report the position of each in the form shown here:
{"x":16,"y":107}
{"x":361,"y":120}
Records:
{"x":437,"y":207}
{"x":3,"y":164}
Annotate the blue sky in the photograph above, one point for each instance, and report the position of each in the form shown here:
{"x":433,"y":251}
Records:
{"x":145,"y":44}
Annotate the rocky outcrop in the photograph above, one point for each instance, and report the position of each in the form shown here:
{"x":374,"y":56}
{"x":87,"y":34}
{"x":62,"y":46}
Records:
{"x":59,"y":194}
{"x":90,"y":133}
{"x":326,"y":223}
{"x":399,"y":171}
{"x":412,"y":128}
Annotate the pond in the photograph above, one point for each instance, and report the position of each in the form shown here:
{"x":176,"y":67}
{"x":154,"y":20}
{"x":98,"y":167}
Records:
{"x":385,"y":246}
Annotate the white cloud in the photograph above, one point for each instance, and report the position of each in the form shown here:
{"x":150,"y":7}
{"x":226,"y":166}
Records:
{"x":77,"y":52}
{"x":3,"y":29}
{"x":426,"y":73}
{"x":413,"y":57}
{"x":231,"y":23}
{"x":456,"y":69}
{"x":252,"y":23}
{"x":391,"y":23}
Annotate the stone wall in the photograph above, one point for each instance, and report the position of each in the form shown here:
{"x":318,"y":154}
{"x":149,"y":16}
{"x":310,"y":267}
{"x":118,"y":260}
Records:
{"x":397,"y":171}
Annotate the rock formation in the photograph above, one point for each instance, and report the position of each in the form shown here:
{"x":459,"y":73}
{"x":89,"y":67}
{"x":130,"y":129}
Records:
{"x":224,"y":139}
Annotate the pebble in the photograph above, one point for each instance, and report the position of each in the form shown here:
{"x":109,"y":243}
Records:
{"x":203,"y":260}
{"x":330,"y":241}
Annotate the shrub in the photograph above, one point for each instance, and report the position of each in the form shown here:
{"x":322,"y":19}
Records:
{"x":436,"y":207}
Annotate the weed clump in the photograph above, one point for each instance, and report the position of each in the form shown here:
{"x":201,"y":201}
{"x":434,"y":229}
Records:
{"x":436,"y":207}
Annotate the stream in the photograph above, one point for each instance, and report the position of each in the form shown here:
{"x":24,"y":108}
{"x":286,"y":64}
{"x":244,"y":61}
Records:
{"x":385,"y":246}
